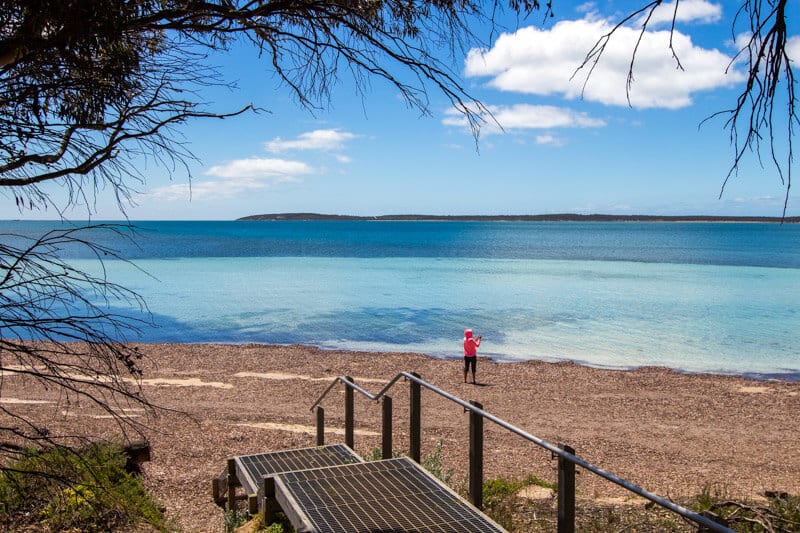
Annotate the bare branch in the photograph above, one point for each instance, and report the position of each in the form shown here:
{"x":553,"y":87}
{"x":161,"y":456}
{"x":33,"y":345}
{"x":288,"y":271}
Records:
{"x":56,"y":327}
{"x":752,"y":121}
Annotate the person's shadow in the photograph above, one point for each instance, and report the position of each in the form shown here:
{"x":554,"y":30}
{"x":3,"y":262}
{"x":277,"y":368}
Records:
{"x":479,"y":384}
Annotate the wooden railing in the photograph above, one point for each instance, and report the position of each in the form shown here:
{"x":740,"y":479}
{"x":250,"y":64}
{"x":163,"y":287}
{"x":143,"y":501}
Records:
{"x":567,"y":460}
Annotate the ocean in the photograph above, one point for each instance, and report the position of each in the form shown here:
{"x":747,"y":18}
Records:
{"x":695,"y":297}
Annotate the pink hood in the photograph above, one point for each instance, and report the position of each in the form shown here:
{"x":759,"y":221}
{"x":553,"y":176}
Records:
{"x":470,"y":344}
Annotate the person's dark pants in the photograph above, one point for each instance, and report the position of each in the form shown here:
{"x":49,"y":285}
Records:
{"x":469,"y":363}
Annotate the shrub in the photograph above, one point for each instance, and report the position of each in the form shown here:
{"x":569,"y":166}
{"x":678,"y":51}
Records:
{"x":64,"y":489}
{"x":234,"y":518}
{"x":433,"y":464}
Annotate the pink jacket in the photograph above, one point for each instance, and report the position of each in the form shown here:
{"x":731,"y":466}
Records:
{"x":470,"y":344}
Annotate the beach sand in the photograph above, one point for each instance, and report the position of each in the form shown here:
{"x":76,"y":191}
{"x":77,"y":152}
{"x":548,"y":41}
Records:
{"x":670,"y":433}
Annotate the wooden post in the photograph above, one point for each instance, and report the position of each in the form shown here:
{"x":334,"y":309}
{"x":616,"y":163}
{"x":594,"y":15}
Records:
{"x":476,"y":456}
{"x":232,"y":482}
{"x":415,"y":429}
{"x":252,"y":504}
{"x":215,"y":490}
{"x":270,"y":506}
{"x":320,"y":426}
{"x":386,"y":430}
{"x":349,"y":413}
{"x":566,"y":492}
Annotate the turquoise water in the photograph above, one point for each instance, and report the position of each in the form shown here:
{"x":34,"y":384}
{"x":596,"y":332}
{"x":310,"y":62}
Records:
{"x":694,"y":297}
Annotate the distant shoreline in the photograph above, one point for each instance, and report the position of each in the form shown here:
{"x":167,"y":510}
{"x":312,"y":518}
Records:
{"x":561,"y":217}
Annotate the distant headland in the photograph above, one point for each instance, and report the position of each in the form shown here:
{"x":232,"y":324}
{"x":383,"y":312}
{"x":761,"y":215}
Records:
{"x":562,"y":217}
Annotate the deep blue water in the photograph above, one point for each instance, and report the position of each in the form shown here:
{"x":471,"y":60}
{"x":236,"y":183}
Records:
{"x":733,"y":244}
{"x":708,"y":297}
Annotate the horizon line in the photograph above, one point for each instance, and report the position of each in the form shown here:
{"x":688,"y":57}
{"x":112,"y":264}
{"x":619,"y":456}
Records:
{"x":558,"y":217}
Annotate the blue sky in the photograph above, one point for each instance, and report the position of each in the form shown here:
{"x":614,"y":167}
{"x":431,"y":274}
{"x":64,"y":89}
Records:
{"x":560,"y":149}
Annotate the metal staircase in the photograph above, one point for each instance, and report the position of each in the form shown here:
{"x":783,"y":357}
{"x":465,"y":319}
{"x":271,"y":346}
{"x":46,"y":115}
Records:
{"x":329,"y":489}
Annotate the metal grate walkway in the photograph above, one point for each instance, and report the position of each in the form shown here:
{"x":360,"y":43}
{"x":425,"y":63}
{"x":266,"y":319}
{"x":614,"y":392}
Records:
{"x":394,"y":495}
{"x":329,"y":489}
{"x":251,"y":469}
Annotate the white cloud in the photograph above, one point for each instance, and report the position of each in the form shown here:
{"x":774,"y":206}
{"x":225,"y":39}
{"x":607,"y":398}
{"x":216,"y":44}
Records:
{"x":235,"y":178}
{"x":324,"y":140}
{"x":543,"y":62}
{"x":760,"y":201}
{"x":587,"y":7}
{"x":688,"y":11}
{"x":239,"y":177}
{"x":793,"y":48}
{"x":203,"y":190}
{"x":259,"y":167}
{"x":549,"y":140}
{"x":525,"y":117}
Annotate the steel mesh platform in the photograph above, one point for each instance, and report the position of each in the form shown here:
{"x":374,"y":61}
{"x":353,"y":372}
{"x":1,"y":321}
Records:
{"x":251,"y":469}
{"x":395,"y":495}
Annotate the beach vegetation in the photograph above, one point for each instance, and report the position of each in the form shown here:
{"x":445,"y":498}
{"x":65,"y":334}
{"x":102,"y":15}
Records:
{"x":280,"y":524}
{"x":498,"y":500}
{"x":275,"y":528}
{"x":433,"y":462}
{"x":66,"y":489}
{"x":502,"y":500}
{"x":278,"y":527}
{"x":775,"y":511}
{"x":376,"y":454}
{"x":233,"y":519}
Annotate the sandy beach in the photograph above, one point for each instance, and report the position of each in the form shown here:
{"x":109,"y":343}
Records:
{"x":670,"y":433}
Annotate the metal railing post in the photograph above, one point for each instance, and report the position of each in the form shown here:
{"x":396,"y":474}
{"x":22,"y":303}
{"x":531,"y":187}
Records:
{"x":320,"y":426}
{"x":566,"y":492}
{"x":415,"y":423}
{"x":349,"y":413}
{"x":476,"y":456}
{"x":386,"y":427}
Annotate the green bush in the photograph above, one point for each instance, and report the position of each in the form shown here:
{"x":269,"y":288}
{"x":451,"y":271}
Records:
{"x":234,"y":518}
{"x":433,"y":464}
{"x":500,"y":497}
{"x":498,"y":500}
{"x":87,"y":490}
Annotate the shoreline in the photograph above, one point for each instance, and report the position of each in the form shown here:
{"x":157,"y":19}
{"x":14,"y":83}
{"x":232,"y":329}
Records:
{"x":670,"y":433}
{"x":788,"y":376}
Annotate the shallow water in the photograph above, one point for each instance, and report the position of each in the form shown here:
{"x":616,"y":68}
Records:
{"x":696,"y":297}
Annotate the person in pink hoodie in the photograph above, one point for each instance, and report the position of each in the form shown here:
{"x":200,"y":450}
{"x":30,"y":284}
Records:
{"x":470,"y":353}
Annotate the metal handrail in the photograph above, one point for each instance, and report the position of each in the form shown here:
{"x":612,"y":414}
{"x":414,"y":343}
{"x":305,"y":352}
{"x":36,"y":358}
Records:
{"x":373,"y":397}
{"x":555,"y":450}
{"x":343,"y":379}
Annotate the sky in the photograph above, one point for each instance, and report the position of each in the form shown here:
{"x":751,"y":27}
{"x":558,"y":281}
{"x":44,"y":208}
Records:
{"x":566,"y":145}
